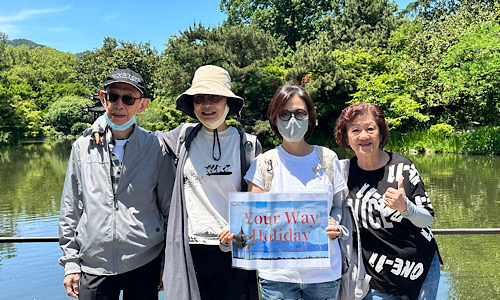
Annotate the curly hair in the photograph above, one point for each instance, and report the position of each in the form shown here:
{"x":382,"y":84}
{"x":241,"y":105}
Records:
{"x":355,"y":110}
{"x":279,"y":101}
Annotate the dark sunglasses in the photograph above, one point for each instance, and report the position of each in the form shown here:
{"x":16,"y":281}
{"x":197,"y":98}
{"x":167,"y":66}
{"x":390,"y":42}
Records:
{"x":126,"y":99}
{"x":299,"y":114}
{"x":200,"y":98}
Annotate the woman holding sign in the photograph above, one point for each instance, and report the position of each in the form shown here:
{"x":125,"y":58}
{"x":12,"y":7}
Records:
{"x":392,"y":207}
{"x":296,"y":166}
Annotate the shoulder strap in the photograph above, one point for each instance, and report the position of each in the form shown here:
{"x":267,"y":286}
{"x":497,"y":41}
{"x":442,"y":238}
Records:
{"x":267,"y":164}
{"x":325,"y":156}
{"x":248,"y":151}
{"x":186,"y":135}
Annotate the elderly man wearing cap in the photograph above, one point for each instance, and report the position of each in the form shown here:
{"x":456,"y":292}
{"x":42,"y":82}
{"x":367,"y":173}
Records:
{"x":115,"y":202}
{"x":212,"y":159}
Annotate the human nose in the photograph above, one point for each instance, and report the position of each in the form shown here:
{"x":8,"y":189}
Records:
{"x":363,"y":134}
{"x":119,"y":103}
{"x":206,"y":101}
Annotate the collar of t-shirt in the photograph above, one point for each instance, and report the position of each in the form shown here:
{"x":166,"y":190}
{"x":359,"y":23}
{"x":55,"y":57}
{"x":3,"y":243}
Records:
{"x":119,"y":148}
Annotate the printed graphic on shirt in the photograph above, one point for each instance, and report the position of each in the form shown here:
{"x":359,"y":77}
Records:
{"x":396,"y":171}
{"x":372,"y":210}
{"x":201,"y":236}
{"x":218,"y":170}
{"x":374,"y":214}
{"x":398,"y":266}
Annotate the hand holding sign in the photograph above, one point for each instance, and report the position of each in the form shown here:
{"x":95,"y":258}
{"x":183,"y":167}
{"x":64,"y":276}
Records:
{"x":225,"y":237}
{"x":332,"y":230}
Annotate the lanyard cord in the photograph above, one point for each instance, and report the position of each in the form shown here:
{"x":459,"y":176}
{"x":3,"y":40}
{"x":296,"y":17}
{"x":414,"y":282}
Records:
{"x":216,"y":137}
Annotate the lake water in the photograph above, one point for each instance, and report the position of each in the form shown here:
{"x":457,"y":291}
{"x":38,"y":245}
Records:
{"x":464,"y":191}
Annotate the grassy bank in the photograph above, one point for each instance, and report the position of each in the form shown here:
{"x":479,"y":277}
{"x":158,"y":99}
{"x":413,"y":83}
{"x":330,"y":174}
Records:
{"x":480,"y":141}
{"x":484,"y":141}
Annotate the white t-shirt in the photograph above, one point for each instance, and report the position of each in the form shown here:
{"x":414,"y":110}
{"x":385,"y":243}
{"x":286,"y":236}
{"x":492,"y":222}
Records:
{"x":208,"y":182}
{"x":295,"y":174}
{"x":119,"y":148}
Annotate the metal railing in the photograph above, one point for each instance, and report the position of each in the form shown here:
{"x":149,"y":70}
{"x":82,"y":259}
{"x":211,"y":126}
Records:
{"x":27,"y":239}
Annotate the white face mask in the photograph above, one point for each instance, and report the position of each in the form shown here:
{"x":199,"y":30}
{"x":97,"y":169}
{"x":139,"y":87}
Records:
{"x":293,"y":130}
{"x":215,"y":124}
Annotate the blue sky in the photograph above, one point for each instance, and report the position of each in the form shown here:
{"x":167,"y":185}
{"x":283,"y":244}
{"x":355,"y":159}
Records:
{"x":76,"y":26}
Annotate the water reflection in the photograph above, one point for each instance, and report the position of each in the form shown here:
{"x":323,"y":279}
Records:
{"x":465,"y":193}
{"x":463,"y":189}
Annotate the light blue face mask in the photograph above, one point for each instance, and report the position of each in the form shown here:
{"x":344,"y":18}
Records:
{"x":293,"y":130}
{"x":119,"y":127}
{"x":123,"y":126}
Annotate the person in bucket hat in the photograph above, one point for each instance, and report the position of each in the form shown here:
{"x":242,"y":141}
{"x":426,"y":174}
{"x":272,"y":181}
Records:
{"x":209,"y":167}
{"x":210,"y":100}
{"x":212,"y":158}
{"x":210,"y":80}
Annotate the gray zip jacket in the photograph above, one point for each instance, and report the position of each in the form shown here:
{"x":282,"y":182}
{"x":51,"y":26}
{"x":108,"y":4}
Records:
{"x":102,"y":233}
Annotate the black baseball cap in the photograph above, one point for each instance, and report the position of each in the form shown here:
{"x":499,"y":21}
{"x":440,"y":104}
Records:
{"x":126,"y":76}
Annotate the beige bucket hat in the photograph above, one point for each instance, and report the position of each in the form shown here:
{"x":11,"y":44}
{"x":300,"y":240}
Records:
{"x":211,"y":80}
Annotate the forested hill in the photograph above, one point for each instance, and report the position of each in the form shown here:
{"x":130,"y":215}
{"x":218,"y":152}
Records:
{"x":20,"y":42}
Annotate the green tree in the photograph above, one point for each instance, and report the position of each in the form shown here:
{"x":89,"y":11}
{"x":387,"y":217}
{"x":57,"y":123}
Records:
{"x":244,"y":51}
{"x":389,"y":91}
{"x":65,"y":112}
{"x":95,"y":65}
{"x":422,"y":43}
{"x":326,"y":67}
{"x":9,"y":121}
{"x":9,"y":125}
{"x":3,"y":44}
{"x":470,"y":71}
{"x":30,"y":118}
{"x":363,"y":23}
{"x":439,"y":10}
{"x":316,"y":67}
{"x":294,"y":21}
{"x":41,"y":74}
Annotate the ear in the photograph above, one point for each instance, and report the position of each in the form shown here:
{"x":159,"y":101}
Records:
{"x":143,"y":105}
{"x":101,"y":97}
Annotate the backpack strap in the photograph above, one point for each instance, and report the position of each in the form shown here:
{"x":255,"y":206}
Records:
{"x":248,"y":151}
{"x":325,"y":156}
{"x":186,"y":135}
{"x":268,"y":163}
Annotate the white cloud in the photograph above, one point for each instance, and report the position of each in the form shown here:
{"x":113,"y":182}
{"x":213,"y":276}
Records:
{"x":60,"y":29}
{"x":30,"y":13}
{"x":9,"y":29}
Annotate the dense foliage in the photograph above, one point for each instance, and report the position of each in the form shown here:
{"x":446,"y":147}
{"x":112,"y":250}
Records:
{"x":435,"y":62}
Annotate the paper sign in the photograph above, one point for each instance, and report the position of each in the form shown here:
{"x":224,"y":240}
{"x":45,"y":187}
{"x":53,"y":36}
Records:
{"x":279,"y":230}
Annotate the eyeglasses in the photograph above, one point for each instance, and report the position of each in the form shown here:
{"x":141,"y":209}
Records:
{"x":200,"y":98}
{"x":126,"y":99}
{"x":299,"y":114}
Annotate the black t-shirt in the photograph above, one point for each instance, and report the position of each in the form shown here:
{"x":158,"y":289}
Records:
{"x":397,"y":254}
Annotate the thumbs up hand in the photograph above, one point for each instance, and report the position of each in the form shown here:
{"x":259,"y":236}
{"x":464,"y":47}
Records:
{"x":396,"y":198}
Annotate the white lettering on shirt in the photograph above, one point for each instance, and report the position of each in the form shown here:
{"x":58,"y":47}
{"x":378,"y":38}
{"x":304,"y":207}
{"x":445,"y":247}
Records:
{"x":400,"y":267}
